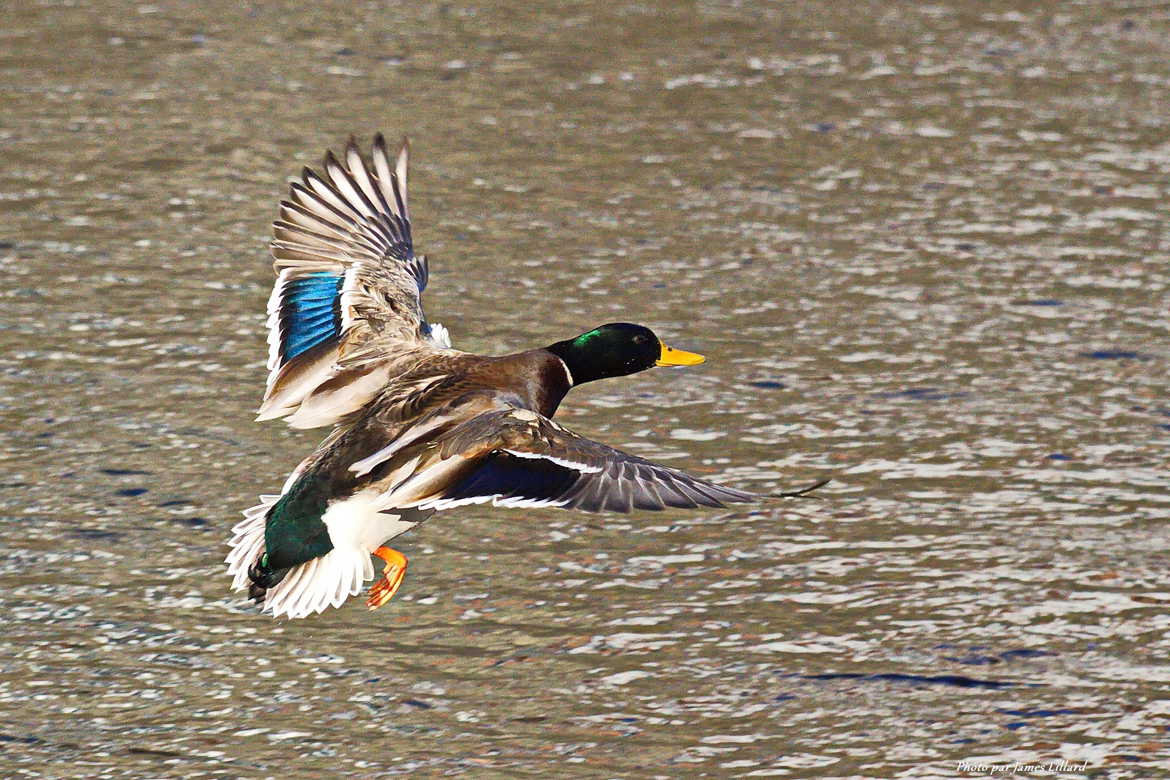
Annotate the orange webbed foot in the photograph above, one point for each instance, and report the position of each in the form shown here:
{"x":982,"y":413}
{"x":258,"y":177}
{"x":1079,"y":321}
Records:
{"x":384,"y":589}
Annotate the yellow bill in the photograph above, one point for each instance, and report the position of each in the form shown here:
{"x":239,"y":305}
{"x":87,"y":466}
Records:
{"x":677,"y":357}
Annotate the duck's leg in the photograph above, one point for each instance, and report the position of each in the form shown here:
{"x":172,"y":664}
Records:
{"x":384,"y":589}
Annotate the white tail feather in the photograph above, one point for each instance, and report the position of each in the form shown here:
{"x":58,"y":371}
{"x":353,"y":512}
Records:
{"x":355,"y":528}
{"x":248,"y":542}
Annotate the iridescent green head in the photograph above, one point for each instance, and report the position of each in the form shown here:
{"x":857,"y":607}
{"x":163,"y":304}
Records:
{"x":618,"y":349}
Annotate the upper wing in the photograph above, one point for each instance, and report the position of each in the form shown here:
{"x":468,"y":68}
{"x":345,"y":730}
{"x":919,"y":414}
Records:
{"x":348,"y":286}
{"x":525,"y":459}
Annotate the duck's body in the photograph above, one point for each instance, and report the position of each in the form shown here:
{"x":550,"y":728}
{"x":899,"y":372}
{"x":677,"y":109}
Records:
{"x":419,"y":427}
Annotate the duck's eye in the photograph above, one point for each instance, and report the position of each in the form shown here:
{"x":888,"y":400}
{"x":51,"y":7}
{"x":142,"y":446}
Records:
{"x":640,"y":339}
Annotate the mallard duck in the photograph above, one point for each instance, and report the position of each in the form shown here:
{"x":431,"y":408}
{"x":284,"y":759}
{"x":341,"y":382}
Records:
{"x":419,"y":427}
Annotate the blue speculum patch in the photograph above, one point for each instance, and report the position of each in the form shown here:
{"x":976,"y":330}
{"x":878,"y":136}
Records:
{"x":310,"y":313}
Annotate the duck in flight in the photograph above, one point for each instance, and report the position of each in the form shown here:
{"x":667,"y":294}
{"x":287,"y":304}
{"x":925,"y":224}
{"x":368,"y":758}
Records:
{"x":418,"y":427}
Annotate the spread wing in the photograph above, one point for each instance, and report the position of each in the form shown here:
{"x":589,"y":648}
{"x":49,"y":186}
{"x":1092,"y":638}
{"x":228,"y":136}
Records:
{"x":346,"y":306}
{"x":525,"y":459}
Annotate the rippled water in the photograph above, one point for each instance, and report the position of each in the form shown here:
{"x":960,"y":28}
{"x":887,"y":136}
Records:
{"x":923,"y":247}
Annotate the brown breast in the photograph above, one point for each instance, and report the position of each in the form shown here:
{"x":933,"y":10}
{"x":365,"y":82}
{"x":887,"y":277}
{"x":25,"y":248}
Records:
{"x":537,"y":377}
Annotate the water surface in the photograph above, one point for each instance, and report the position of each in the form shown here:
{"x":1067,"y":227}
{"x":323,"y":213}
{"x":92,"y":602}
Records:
{"x":923,"y":247}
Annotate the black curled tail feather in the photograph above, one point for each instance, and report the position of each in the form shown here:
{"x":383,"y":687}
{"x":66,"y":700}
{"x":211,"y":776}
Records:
{"x":263,"y":577}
